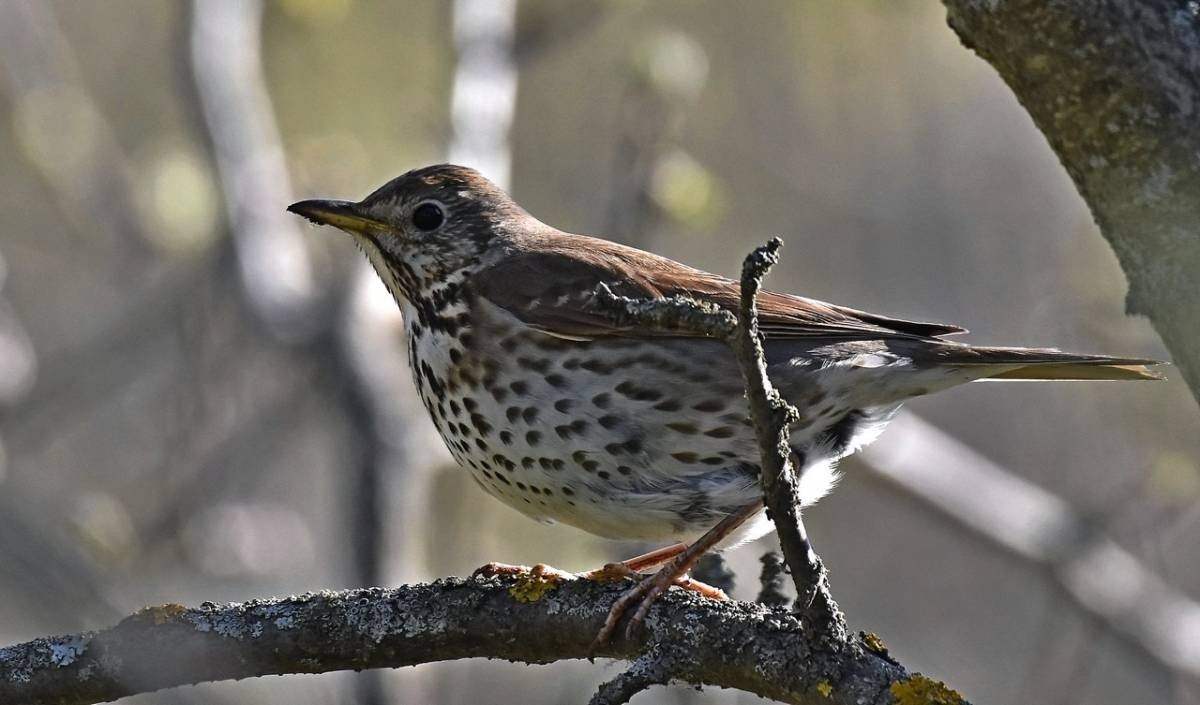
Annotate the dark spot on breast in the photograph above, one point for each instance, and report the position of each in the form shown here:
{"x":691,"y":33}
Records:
{"x":563,"y":432}
{"x":454,"y":408}
{"x":603,"y":475}
{"x":719,"y":432}
{"x":668,"y":405}
{"x":624,"y":469}
{"x":528,"y":463}
{"x":539,"y":365}
{"x":633,"y":445}
{"x":564,"y":405}
{"x":685,"y":457}
{"x":568,"y":491}
{"x":508,"y":344}
{"x":601,"y":400}
{"x":506,"y":437}
{"x":481,"y":424}
{"x":519,"y":387}
{"x":713,"y":460}
{"x":481,"y":443}
{"x":590,"y":465}
{"x":455,"y":355}
{"x":579,"y":456}
{"x":521,"y":486}
{"x":558,"y":464}
{"x":614,"y":448}
{"x":710,"y":405}
{"x":503,"y":479}
{"x":609,"y":421}
{"x":579,"y":425}
{"x":533,"y":438}
{"x":499,"y":394}
{"x":535,"y":489}
{"x":682,"y":427}
{"x":571,"y":363}
{"x":556,"y":381}
{"x":546,"y":463}
{"x":529,"y":414}
{"x":596,"y":366}
{"x":464,"y":429}
{"x":512,"y":413}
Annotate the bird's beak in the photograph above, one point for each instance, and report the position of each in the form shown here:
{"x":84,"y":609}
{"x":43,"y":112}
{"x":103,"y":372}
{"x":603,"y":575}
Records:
{"x":345,"y":215}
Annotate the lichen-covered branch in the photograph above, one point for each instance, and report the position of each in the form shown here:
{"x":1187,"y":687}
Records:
{"x":1115,"y":88}
{"x":747,"y":646}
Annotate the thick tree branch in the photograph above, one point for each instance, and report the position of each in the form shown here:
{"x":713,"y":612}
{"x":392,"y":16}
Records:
{"x":1115,"y":88}
{"x":739,"y":645}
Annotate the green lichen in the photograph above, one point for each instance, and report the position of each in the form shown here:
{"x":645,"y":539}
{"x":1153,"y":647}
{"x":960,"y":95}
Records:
{"x":160,"y":614}
{"x":533,"y":586}
{"x":920,"y":690}
{"x":874,"y":643}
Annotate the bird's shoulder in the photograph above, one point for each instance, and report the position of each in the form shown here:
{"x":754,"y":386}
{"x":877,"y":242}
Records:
{"x":548,"y":280}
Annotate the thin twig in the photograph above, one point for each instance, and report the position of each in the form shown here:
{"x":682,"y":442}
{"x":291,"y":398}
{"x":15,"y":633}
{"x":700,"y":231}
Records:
{"x":772,"y":415}
{"x":772,"y":580}
{"x":773,"y":418}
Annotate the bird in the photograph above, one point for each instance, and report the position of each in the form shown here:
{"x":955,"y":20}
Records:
{"x":624,"y":431}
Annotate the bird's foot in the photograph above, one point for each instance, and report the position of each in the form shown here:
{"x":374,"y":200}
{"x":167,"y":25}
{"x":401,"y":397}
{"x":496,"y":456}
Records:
{"x":611,"y":573}
{"x":541,"y":571}
{"x":645,"y":593}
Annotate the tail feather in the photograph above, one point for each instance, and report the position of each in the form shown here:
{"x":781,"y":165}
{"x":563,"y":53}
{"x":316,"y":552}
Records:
{"x":1048,"y":363}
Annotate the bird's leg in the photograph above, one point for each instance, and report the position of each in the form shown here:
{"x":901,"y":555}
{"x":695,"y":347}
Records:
{"x":630,"y":567}
{"x":609,"y":573}
{"x":649,"y":590}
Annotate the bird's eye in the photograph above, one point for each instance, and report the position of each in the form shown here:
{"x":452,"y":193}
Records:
{"x":428,"y":216}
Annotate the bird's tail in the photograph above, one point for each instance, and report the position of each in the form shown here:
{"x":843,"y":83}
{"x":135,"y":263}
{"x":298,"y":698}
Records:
{"x":1048,"y":363}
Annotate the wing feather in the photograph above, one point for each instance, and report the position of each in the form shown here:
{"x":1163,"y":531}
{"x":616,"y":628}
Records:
{"x":548,"y":280}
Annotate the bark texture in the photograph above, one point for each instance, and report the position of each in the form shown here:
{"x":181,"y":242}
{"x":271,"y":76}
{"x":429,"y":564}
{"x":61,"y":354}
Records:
{"x":740,"y":645}
{"x":1114,"y":85}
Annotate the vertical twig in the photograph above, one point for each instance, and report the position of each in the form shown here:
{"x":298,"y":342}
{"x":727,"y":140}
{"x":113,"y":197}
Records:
{"x":773,"y":418}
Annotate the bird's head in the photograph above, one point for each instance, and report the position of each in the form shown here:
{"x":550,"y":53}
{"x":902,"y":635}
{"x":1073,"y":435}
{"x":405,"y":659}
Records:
{"x":424,"y":227}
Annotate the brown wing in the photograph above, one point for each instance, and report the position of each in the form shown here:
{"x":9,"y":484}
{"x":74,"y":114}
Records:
{"x":547,"y":282}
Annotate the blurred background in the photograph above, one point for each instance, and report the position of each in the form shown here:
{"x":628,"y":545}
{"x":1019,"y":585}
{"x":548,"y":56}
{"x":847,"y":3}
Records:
{"x":199,"y":400}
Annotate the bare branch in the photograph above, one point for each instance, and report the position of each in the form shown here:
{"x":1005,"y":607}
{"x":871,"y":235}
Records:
{"x":1096,"y":574}
{"x":730,"y":644}
{"x":277,"y":273}
{"x":772,"y":580}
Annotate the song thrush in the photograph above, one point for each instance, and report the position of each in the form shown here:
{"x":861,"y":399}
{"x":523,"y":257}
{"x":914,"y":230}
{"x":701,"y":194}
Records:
{"x":626,"y":432}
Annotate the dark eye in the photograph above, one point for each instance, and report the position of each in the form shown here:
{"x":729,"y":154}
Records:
{"x":428,"y":216}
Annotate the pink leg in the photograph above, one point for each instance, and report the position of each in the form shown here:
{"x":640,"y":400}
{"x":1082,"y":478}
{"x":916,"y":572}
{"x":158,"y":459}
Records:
{"x":646,"y":592}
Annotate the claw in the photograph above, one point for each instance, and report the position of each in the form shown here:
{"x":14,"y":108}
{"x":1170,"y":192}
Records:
{"x":643,"y":595}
